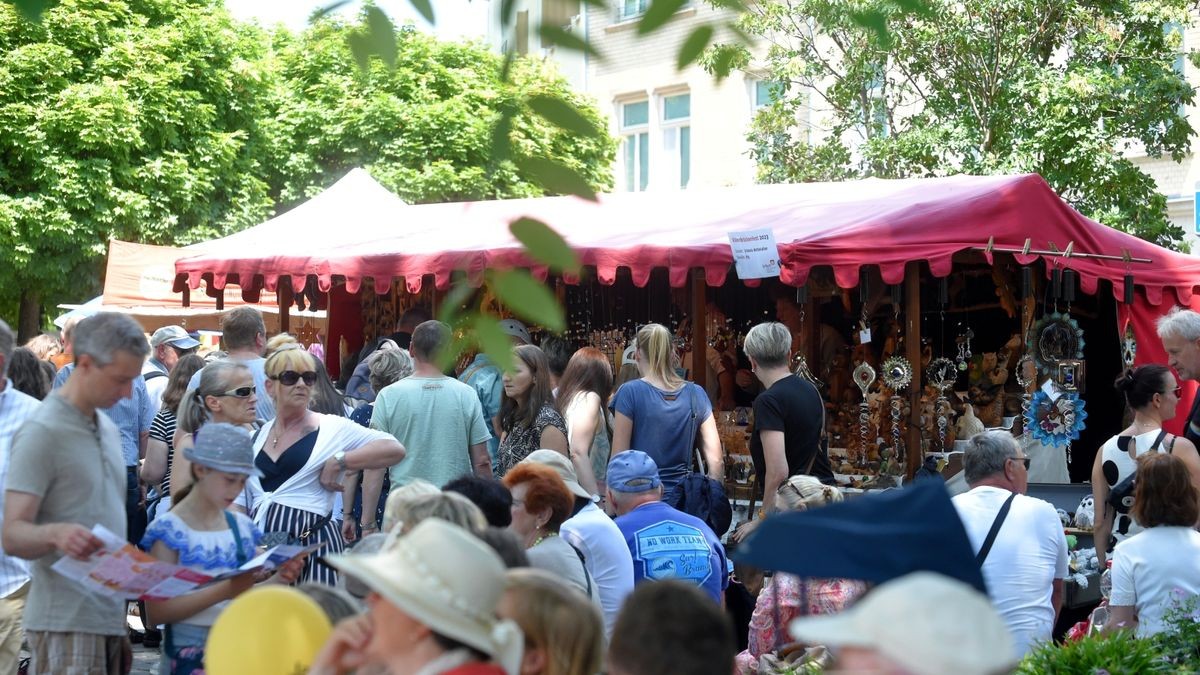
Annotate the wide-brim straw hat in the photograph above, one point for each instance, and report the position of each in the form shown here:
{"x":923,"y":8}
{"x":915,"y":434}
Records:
{"x":559,"y":462}
{"x":447,"y":579}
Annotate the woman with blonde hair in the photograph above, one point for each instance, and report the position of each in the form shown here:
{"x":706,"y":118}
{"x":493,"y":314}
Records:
{"x":784,"y":596}
{"x":563,"y":631}
{"x":303,"y":456}
{"x":663,"y":415}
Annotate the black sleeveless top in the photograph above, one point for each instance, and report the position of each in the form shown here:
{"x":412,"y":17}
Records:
{"x":289,"y":464}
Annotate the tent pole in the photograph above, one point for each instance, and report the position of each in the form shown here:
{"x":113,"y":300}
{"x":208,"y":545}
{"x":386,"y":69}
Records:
{"x":912,"y":351}
{"x":699,"y":329}
{"x":284,"y":294}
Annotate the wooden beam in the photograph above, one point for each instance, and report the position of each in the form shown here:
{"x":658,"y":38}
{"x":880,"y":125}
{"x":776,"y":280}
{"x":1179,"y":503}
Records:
{"x":812,"y":333}
{"x":912,"y":351}
{"x":283,"y":291}
{"x":699,"y":328}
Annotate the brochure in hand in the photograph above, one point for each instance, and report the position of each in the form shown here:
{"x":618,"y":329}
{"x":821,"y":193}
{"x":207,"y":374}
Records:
{"x":121,"y":569}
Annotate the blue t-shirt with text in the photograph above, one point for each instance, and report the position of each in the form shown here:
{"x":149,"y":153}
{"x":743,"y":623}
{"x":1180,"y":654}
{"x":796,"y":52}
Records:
{"x":669,"y":544}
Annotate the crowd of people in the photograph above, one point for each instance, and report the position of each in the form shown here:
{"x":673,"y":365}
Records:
{"x":527,"y":521}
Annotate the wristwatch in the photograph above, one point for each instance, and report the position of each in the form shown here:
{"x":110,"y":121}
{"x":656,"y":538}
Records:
{"x":340,"y":458}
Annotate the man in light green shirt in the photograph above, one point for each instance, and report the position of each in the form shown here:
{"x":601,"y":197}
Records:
{"x":438,"y":419}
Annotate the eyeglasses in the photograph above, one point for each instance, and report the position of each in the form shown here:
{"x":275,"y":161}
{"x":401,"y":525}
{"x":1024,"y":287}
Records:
{"x":290,"y":377}
{"x":1024,"y":460}
{"x":240,"y":392}
{"x":1178,"y":391}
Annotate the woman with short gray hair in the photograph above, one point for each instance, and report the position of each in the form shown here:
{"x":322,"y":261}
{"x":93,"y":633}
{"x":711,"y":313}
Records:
{"x":789,"y":416}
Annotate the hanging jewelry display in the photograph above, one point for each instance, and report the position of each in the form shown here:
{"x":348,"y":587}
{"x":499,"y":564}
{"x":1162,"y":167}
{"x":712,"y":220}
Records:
{"x":1026,"y":374}
{"x":1056,"y":337}
{"x":897,"y":375}
{"x":942,"y":374}
{"x":1055,"y":422}
{"x":864,"y":376}
{"x":964,"y":349}
{"x":799,"y":362}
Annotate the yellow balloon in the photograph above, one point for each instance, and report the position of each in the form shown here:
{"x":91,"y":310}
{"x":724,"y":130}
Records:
{"x":269,"y":630}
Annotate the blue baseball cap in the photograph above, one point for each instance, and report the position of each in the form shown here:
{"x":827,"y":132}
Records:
{"x":632,"y":471}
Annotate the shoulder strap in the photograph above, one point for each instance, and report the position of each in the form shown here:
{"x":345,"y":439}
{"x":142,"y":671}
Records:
{"x":583,"y":561}
{"x":693,"y":425}
{"x":1171,"y":447}
{"x":1162,"y":433}
{"x":153,"y":374}
{"x":991,"y":535}
{"x":237,"y":538}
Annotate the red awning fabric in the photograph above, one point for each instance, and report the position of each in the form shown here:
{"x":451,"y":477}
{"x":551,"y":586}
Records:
{"x":884,"y":223}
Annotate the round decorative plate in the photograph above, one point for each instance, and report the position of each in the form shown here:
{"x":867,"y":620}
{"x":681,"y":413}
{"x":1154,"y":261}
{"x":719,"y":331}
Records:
{"x":897,"y":373}
{"x":1056,"y":337}
{"x":1056,"y":422}
{"x":942,"y":373}
{"x":1026,"y":371}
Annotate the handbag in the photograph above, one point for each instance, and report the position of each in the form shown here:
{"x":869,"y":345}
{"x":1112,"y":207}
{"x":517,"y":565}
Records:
{"x":697,"y":494}
{"x":282,"y":537}
{"x":1120,"y":497}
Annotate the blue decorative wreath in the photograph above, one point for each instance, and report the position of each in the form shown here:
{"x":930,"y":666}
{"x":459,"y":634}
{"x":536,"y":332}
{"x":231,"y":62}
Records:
{"x":1055,"y":422}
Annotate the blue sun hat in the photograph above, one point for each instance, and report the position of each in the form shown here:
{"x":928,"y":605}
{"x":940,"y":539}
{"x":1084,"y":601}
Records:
{"x":224,"y":447}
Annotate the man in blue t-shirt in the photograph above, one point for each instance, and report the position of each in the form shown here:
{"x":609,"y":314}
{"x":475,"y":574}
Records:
{"x":665,"y":543}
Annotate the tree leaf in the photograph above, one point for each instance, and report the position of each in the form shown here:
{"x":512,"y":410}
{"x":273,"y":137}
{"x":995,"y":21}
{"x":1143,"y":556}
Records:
{"x":875,"y":21}
{"x":555,"y":177}
{"x":360,"y":47}
{"x":33,"y":9}
{"x":544,"y":244}
{"x":425,"y":9}
{"x":501,"y":141}
{"x":694,"y":46}
{"x":508,"y":9}
{"x":493,"y":341}
{"x":561,"y":37}
{"x":658,"y":14}
{"x":452,"y":304}
{"x":562,"y":114}
{"x":528,"y":298}
{"x":325,"y":10}
{"x":381,"y":35}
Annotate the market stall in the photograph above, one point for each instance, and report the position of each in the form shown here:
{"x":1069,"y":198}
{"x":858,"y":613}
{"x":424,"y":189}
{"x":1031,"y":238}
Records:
{"x":877,"y":247}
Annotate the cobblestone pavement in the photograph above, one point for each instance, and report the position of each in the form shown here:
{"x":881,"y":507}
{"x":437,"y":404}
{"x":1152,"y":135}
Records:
{"x":145,"y":661}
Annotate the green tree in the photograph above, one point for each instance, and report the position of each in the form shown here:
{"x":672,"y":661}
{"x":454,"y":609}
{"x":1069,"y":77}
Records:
{"x":1060,"y":88}
{"x":134,"y":119}
{"x":424,"y":128}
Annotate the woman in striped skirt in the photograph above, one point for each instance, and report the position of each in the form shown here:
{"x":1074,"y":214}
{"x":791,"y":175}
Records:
{"x":305,"y":457}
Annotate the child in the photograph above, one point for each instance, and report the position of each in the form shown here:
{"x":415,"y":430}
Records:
{"x":199,"y":532}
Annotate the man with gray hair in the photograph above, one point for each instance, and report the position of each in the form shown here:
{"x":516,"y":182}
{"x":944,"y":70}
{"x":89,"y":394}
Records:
{"x":1018,"y":540}
{"x":67,"y":474}
{"x":15,"y":408}
{"x":1179,"y":331}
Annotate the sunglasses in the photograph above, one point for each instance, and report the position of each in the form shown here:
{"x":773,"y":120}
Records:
{"x":240,"y":392}
{"x":1024,"y":460}
{"x":290,"y":377}
{"x":1178,"y":391}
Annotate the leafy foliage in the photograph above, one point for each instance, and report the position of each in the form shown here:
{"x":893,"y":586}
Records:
{"x":136,"y":119}
{"x":1057,"y":88}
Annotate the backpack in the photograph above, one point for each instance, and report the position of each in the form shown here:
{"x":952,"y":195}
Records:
{"x":698,"y":495}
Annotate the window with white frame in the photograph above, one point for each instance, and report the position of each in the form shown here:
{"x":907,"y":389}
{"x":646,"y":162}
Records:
{"x":676,"y":132}
{"x":765,"y":93}
{"x":629,"y":9}
{"x":635,"y":144}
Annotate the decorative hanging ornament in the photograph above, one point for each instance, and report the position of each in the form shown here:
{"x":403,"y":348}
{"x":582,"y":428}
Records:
{"x":1055,"y":337}
{"x":897,"y":375}
{"x":1057,"y":421}
{"x":1026,"y":374}
{"x":1129,"y":347}
{"x":942,"y":374}
{"x":864,"y":376}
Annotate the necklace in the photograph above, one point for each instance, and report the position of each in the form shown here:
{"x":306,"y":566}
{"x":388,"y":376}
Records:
{"x":542,"y":538}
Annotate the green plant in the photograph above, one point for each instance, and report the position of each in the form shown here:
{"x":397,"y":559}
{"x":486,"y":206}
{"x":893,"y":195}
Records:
{"x":1180,"y":642}
{"x":1115,"y":654}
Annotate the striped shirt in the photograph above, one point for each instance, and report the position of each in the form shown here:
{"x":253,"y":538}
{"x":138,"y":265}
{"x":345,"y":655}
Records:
{"x":163,"y":429}
{"x":15,"y":408}
{"x":132,"y":415}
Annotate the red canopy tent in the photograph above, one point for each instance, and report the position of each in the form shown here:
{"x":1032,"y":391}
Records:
{"x":847,"y":225}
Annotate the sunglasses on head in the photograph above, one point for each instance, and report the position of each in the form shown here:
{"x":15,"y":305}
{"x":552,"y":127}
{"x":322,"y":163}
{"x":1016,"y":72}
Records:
{"x":291,"y":377}
{"x":240,"y":392}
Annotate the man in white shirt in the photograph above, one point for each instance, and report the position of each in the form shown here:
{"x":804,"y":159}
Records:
{"x":1026,"y":562}
{"x":15,"y":408}
{"x":596,"y":536}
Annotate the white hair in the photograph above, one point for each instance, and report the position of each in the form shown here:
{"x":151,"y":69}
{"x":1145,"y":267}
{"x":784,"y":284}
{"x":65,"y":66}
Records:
{"x":1180,"y":323}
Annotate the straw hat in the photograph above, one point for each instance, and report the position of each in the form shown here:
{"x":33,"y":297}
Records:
{"x":928,"y":623}
{"x":448,"y":580}
{"x":559,"y":462}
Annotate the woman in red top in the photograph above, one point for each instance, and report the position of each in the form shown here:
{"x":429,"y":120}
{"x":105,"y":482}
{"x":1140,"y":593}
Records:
{"x":431,"y":609}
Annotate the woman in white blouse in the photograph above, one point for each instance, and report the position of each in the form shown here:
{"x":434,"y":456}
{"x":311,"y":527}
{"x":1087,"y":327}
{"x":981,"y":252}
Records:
{"x":304,"y":457}
{"x":1159,"y":569}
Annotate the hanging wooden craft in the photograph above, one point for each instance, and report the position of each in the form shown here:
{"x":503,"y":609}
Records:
{"x":864,"y":376}
{"x":1056,"y":337}
{"x":1056,"y":422}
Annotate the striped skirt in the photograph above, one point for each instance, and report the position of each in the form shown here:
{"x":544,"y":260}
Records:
{"x":294,"y":521}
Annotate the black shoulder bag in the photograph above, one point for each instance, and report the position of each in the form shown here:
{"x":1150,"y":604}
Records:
{"x":1120,"y":497}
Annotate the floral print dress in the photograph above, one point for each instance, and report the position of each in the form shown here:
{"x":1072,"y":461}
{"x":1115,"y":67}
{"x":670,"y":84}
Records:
{"x":521,"y":440}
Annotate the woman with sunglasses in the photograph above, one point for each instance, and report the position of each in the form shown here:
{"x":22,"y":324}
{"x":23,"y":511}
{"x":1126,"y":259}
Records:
{"x":304,"y":457}
{"x":225,"y":393}
{"x":1152,"y":392}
